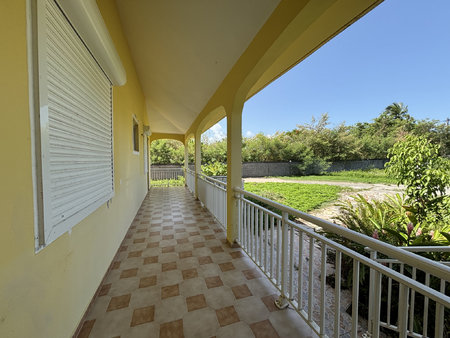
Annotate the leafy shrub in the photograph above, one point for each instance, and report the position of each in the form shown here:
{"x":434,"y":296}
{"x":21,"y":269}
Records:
{"x":214,"y":169}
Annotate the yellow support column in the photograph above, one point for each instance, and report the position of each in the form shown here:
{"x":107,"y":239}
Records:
{"x":234,"y":170}
{"x":186,"y":160}
{"x":198,"y":159}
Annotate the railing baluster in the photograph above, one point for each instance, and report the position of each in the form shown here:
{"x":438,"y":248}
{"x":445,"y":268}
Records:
{"x":278,"y":251}
{"x":425,"y":307}
{"x":291,"y":261}
{"x":411,"y":305}
{"x":272,"y":244}
{"x":402,"y":310}
{"x":439,"y":322}
{"x":252,"y":225}
{"x":266,"y":225}
{"x":261,"y":223}
{"x":323,"y":277}
{"x":300,"y":270}
{"x":388,"y":318}
{"x":255,"y":236}
{"x":337,"y":294}
{"x":375,"y":327}
{"x":282,"y":301}
{"x":355,"y":298}
{"x":311,"y":278}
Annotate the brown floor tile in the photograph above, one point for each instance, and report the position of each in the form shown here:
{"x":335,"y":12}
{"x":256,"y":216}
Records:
{"x":135,"y":254}
{"x":204,"y":227}
{"x":150,"y":260}
{"x":141,"y":230}
{"x":218,"y":230}
{"x":241,"y":291}
{"x":86,"y":328}
{"x":154,"y":233}
{"x":167,"y":227}
{"x":208,"y":237}
{"x":139,"y":240}
{"x":147,"y":281}
{"x":236,"y":254}
{"x":104,"y":289}
{"x":213,"y":282}
{"x":264,"y":329}
{"x":196,"y":302}
{"x":167,"y":237}
{"x":129,"y":273}
{"x":180,"y":230}
{"x":251,"y":273}
{"x":168,"y":249}
{"x":199,"y":245}
{"x":172,"y":329}
{"x":182,"y":241}
{"x":194,"y":233}
{"x":204,"y":260}
{"x":152,"y":245}
{"x":123,"y":248}
{"x":143,"y":315}
{"x":115,"y":265}
{"x":269,"y":302}
{"x":189,"y":273}
{"x":168,"y":266}
{"x":226,"y":266}
{"x":170,"y":291}
{"x":227,"y":316}
{"x":185,"y":254}
{"x":216,"y":249}
{"x":119,"y":302}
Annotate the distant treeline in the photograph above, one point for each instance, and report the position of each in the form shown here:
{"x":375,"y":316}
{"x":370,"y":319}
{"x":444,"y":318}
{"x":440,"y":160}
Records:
{"x":316,"y":142}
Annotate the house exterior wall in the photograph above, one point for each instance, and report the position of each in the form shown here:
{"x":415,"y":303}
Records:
{"x":45,"y":294}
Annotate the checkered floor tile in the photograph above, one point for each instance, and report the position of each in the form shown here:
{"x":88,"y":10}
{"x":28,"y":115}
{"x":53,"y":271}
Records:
{"x":175,"y":276}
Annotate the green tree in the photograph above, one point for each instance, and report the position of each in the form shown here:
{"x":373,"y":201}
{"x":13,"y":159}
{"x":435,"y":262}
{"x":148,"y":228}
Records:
{"x":415,"y":162}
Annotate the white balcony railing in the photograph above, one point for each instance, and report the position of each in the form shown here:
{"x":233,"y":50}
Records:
{"x":190,"y":180}
{"x":405,"y":294}
{"x":164,"y":176}
{"x":297,"y":261}
{"x":213,"y":195}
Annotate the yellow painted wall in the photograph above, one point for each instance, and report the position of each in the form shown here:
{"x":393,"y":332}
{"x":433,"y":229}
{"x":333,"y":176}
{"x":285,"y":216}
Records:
{"x":46,"y":294}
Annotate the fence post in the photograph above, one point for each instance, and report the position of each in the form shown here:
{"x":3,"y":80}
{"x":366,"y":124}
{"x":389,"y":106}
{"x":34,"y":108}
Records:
{"x":282,"y":301}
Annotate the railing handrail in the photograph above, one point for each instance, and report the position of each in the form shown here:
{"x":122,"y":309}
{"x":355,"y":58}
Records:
{"x":206,"y":178}
{"x":425,"y":264}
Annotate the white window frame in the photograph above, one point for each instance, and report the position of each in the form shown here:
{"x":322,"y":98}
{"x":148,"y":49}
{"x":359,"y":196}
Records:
{"x":40,"y":130}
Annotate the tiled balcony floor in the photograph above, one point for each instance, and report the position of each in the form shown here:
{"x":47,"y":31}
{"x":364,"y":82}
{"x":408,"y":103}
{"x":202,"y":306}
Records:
{"x":175,"y":276}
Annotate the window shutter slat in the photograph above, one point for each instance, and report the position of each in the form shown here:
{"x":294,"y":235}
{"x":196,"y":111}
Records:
{"x":79,"y":140}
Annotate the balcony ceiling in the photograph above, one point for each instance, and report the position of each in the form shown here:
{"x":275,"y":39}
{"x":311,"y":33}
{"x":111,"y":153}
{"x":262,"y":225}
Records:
{"x":183,"y":50}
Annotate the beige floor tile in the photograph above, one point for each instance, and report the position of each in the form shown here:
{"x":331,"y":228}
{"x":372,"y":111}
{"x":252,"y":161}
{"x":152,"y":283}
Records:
{"x":173,"y":251}
{"x":201,"y":323}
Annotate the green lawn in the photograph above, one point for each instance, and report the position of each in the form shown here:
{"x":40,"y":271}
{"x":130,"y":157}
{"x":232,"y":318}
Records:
{"x":363,"y":176}
{"x":168,"y":183}
{"x":303,"y":197}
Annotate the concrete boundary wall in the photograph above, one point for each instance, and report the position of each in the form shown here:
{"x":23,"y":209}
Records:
{"x":261,"y":169}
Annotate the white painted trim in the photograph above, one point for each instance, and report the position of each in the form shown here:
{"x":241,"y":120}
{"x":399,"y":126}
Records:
{"x":85,"y":16}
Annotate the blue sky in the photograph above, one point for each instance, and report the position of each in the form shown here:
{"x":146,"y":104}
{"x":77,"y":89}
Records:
{"x":399,"y":52}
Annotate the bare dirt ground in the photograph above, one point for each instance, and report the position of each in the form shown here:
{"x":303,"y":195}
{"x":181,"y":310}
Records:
{"x":328,"y":211}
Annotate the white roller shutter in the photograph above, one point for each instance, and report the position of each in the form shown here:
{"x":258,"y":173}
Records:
{"x":76,"y":125}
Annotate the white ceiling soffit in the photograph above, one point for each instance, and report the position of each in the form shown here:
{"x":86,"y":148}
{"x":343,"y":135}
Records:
{"x":183,"y":50}
{"x":85,"y":16}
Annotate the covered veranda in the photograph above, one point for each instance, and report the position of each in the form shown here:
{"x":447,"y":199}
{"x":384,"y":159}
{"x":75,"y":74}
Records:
{"x":175,"y":275}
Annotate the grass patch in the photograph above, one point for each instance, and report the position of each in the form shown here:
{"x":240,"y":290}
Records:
{"x":303,"y":197}
{"x":360,"y":176}
{"x":168,"y":183}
